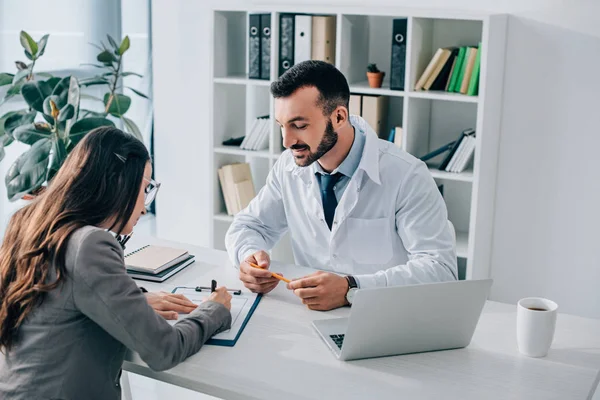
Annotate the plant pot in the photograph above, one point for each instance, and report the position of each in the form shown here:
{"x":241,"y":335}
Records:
{"x":375,"y":79}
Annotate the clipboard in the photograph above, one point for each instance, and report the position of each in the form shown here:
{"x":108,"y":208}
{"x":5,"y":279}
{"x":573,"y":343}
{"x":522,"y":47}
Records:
{"x":242,"y":305}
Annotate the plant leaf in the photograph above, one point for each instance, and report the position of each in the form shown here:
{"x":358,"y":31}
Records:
{"x":29,"y":134}
{"x":17,"y":119}
{"x":48,"y":107}
{"x":28,"y":43}
{"x":2,"y":153}
{"x":12,"y":92}
{"x":112,"y":42}
{"x":44,"y":75}
{"x":84,"y":126}
{"x":137,"y":92}
{"x":28,"y":172}
{"x":6,"y":79}
{"x":42,"y":45}
{"x":106,"y":57}
{"x":74,"y":97}
{"x":53,"y":82}
{"x":66,"y":113}
{"x":93,"y":65}
{"x":85,"y":96}
{"x":132,"y":128}
{"x":57,"y":158}
{"x":35,"y":93}
{"x":94,"y":81}
{"x":119,"y":104}
{"x":6,"y":137}
{"x":62,"y":91}
{"x":124,"y":74}
{"x":21,"y":65}
{"x":28,"y":55}
{"x":124,"y":45}
{"x":19,"y":76}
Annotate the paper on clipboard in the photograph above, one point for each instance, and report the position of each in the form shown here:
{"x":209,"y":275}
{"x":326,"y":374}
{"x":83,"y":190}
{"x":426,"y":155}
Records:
{"x":241,"y":306}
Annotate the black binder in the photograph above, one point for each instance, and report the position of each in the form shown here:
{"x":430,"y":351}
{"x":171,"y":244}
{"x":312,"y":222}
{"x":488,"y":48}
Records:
{"x":265,"y":46}
{"x":398,"y":54}
{"x":254,"y":53}
{"x":286,"y":42}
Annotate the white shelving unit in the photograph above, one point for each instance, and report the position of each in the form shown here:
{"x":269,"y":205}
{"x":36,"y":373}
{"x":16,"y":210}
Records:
{"x":429,"y":119}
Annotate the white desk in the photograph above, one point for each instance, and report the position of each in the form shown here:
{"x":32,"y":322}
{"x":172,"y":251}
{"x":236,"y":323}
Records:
{"x":279,"y":356}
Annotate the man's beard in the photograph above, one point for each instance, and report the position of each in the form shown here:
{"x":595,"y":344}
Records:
{"x":329,"y":140}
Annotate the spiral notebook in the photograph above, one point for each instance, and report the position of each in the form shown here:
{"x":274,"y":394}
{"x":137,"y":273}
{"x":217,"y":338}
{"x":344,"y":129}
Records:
{"x":154,"y":259}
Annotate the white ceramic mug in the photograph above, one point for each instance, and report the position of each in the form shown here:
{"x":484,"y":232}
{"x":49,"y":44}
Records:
{"x":536,"y":321}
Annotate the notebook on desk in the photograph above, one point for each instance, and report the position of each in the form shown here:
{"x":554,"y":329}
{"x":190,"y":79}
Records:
{"x":163,"y":275}
{"x":152,"y":259}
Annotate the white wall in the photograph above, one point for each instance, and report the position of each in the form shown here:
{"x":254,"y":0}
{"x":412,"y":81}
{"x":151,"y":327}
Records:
{"x":548,"y":189}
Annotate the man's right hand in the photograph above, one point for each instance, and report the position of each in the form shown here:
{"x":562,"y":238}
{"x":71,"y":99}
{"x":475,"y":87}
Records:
{"x":258,"y":280}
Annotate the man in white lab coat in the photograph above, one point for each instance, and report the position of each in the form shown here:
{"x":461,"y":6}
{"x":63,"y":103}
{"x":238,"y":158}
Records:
{"x":360,"y":209}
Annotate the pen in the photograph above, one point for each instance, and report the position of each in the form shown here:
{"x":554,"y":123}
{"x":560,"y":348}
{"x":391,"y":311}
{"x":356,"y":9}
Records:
{"x":233,"y":291}
{"x":273,"y":274}
{"x":213,"y":285}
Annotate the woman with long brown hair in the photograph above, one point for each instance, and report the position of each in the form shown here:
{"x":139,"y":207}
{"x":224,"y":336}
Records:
{"x":68,"y":309}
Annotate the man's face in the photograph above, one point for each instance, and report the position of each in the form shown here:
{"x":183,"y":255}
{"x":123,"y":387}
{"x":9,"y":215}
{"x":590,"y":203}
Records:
{"x":304,"y":128}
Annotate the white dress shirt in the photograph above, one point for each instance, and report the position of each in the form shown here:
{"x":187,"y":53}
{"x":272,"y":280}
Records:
{"x":390,"y":225}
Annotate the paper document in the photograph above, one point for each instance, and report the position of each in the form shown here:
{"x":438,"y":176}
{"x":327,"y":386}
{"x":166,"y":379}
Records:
{"x":240,"y":307}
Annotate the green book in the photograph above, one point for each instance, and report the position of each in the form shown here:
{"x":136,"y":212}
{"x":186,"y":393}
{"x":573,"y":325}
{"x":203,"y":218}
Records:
{"x":474,"y":82}
{"x":463,"y":69}
{"x":460,"y":58}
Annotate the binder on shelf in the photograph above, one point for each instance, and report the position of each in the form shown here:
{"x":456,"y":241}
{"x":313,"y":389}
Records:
{"x":398,"y":68}
{"x":374,"y":111}
{"x":237,"y":186}
{"x":254,"y":52}
{"x":286,"y":42}
{"x":355,"y":105}
{"x":265,"y":46}
{"x":323,"y":38}
{"x":302,"y":38}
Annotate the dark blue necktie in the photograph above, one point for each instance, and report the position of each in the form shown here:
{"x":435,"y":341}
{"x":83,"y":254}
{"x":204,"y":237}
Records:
{"x":328,"y":196}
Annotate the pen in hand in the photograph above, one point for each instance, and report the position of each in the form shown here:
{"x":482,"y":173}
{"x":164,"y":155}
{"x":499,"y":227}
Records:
{"x":213,"y":286}
{"x":273,"y":274}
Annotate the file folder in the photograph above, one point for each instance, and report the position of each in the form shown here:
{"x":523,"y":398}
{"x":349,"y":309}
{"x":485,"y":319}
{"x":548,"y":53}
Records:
{"x":286,"y":42}
{"x":398,"y":68}
{"x":265,"y":46}
{"x":254,"y":54}
{"x":302,"y":38}
{"x":323,"y":38}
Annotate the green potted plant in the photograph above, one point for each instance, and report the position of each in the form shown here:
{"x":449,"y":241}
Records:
{"x":53,"y":122}
{"x":375,"y":76}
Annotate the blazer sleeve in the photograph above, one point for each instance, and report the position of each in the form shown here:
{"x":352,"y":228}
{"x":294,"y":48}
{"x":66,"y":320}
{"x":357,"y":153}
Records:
{"x":104,"y":292}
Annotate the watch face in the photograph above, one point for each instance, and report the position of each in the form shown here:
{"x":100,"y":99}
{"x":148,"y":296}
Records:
{"x":350,"y":295}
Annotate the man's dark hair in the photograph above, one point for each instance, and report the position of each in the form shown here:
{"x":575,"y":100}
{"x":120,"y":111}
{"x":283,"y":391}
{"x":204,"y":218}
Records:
{"x":329,"y":81}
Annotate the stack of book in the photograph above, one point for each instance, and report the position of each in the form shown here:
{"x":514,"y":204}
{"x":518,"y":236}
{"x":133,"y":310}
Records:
{"x":459,"y":153}
{"x":156,"y":263}
{"x":257,"y":137}
{"x":453,"y":69}
{"x":237,"y":186}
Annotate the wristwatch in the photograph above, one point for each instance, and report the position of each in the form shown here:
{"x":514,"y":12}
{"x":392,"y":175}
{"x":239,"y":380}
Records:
{"x":352,"y":288}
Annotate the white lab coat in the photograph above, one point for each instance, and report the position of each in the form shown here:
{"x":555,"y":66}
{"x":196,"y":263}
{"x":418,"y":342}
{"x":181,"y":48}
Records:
{"x":390,"y":226}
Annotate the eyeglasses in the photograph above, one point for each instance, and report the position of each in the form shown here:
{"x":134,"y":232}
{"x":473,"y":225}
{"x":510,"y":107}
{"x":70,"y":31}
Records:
{"x":150,"y":191}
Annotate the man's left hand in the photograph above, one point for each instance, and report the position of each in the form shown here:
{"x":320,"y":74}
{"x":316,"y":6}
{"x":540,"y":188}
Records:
{"x":321,"y":291}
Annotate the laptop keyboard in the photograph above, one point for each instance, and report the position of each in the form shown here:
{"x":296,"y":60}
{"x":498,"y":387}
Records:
{"x":338,"y":340}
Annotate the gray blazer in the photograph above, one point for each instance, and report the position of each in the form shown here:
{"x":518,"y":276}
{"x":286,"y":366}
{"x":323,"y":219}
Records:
{"x":73,"y":345}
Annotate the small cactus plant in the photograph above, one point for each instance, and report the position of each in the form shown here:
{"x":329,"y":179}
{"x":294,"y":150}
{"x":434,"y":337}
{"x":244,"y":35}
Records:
{"x":372,"y":68}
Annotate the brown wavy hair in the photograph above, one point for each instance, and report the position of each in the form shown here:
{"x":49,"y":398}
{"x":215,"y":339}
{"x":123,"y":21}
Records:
{"x":98,"y":184}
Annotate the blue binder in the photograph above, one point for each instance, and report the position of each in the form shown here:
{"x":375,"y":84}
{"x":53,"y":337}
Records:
{"x":228,"y":342}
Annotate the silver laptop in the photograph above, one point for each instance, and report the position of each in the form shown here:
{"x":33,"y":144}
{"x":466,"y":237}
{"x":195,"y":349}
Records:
{"x":407,"y":319}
